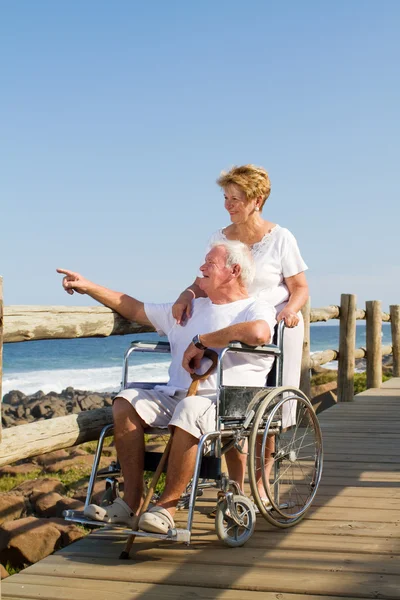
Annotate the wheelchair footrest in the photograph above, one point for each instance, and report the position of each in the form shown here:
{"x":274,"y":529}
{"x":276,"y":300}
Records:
{"x":174,"y":535}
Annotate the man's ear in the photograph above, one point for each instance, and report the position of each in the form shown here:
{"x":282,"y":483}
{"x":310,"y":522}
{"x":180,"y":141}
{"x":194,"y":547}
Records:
{"x":236,"y":270}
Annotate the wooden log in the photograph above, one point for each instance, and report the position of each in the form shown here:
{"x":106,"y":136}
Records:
{"x":324,"y":313}
{"x":33,"y":439}
{"x":374,"y":340}
{"x":325,"y":356}
{"x":23,"y":323}
{"x":321,"y":358}
{"x":305,"y":380}
{"x":347,"y":342}
{"x":1,"y":346}
{"x":395,"y":327}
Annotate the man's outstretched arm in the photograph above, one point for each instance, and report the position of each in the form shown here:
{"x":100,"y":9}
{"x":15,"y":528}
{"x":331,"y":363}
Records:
{"x":125,"y":305}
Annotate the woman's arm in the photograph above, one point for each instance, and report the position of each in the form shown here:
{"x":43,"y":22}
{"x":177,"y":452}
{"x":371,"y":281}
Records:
{"x":182,"y":309}
{"x":298,"y":295}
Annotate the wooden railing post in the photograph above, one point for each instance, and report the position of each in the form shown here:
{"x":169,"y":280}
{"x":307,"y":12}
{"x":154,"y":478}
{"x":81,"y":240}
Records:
{"x":305,"y":381}
{"x":395,"y":327}
{"x":373,"y":315}
{"x":1,"y":346}
{"x":347,"y":344}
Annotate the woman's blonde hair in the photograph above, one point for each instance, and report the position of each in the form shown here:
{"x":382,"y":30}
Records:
{"x":254,"y":181}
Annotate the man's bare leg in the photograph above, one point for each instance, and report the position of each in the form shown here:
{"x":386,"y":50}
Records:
{"x":181,"y":462}
{"x":129,"y":443}
{"x":236,"y":463}
{"x":267,"y":462}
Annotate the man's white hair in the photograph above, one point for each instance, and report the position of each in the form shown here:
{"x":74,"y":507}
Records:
{"x":238,"y":253}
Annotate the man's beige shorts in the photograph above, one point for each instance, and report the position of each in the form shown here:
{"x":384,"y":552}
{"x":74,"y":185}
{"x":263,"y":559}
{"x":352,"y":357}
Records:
{"x":194,"y":414}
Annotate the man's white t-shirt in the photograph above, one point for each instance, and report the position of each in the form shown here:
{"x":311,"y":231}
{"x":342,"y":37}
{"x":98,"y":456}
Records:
{"x":240,"y":368}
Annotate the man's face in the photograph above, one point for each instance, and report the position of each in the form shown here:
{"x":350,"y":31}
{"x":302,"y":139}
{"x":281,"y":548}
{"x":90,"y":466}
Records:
{"x":214,"y":270}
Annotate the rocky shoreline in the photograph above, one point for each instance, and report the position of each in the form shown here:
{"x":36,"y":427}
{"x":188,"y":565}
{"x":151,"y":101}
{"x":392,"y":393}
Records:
{"x":19,"y":409}
{"x":41,"y":488}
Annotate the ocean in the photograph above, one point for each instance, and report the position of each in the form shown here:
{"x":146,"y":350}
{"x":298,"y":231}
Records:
{"x":95,"y":364}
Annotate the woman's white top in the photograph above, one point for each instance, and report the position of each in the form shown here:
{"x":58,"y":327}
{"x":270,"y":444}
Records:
{"x":276,"y":257}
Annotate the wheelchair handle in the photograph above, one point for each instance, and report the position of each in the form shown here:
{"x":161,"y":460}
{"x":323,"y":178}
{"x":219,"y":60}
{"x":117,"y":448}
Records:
{"x":196,"y":377}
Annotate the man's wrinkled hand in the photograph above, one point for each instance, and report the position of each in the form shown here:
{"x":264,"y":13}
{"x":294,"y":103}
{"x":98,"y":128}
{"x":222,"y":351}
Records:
{"x":192,"y":358}
{"x":74,"y":282}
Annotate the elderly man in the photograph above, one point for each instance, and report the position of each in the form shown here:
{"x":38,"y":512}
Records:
{"x":227,"y":314}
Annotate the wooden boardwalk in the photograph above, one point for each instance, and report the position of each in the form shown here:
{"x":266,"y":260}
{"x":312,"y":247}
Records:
{"x":347,"y":547}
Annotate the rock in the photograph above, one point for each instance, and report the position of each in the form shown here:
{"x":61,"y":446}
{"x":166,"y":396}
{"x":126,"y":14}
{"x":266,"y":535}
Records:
{"x":3,"y":572}
{"x":66,"y":503}
{"x":52,"y":457}
{"x":68,"y":392}
{"x":45,"y":504}
{"x":8,"y":421}
{"x":13,"y":470}
{"x":78,"y":452}
{"x":39,"y":410}
{"x":69,"y":531}
{"x":28,"y":540}
{"x":92,"y":401}
{"x":20,"y":411}
{"x":14,"y":397}
{"x":12,"y":506}
{"x":98,"y":492}
{"x":41,"y":485}
{"x":77,"y":462}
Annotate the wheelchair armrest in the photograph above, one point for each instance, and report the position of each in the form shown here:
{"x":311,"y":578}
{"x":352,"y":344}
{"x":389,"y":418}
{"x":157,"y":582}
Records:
{"x":264,"y":349}
{"x":163,"y":347}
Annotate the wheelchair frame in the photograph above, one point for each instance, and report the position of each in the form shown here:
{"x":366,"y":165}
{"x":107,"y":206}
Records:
{"x":235,"y":512}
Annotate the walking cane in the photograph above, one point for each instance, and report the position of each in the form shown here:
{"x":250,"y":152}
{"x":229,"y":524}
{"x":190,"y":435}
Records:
{"x":196,"y":378}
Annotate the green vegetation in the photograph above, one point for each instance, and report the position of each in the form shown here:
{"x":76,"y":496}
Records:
{"x":11,"y":570}
{"x":90,"y":447}
{"x":321,"y":378}
{"x":360,"y":380}
{"x":8,"y":482}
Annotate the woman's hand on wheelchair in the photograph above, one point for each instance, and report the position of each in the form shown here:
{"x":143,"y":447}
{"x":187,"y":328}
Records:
{"x":289,"y":316}
{"x":182,"y":309}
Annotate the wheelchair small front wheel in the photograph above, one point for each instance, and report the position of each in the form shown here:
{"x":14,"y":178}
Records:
{"x":229,"y":530}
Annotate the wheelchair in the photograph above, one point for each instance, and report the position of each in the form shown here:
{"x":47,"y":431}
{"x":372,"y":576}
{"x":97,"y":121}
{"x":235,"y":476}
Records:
{"x":276,"y":426}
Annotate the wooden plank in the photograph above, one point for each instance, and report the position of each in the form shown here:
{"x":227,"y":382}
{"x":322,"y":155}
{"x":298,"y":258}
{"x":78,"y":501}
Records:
{"x":301,"y":579}
{"x":276,"y":538}
{"x":339,"y":560}
{"x":63,"y":588}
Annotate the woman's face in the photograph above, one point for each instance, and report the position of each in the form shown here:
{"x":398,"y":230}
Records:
{"x":237,"y":205}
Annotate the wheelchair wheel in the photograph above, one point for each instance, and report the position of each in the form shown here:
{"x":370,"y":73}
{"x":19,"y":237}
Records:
{"x":285,"y":456}
{"x":228,"y":530}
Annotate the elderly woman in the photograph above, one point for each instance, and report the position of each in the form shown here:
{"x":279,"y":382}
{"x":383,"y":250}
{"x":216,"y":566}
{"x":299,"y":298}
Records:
{"x":280,"y":268}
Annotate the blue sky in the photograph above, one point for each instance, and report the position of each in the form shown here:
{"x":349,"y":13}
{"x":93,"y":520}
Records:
{"x":117,"y":117}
